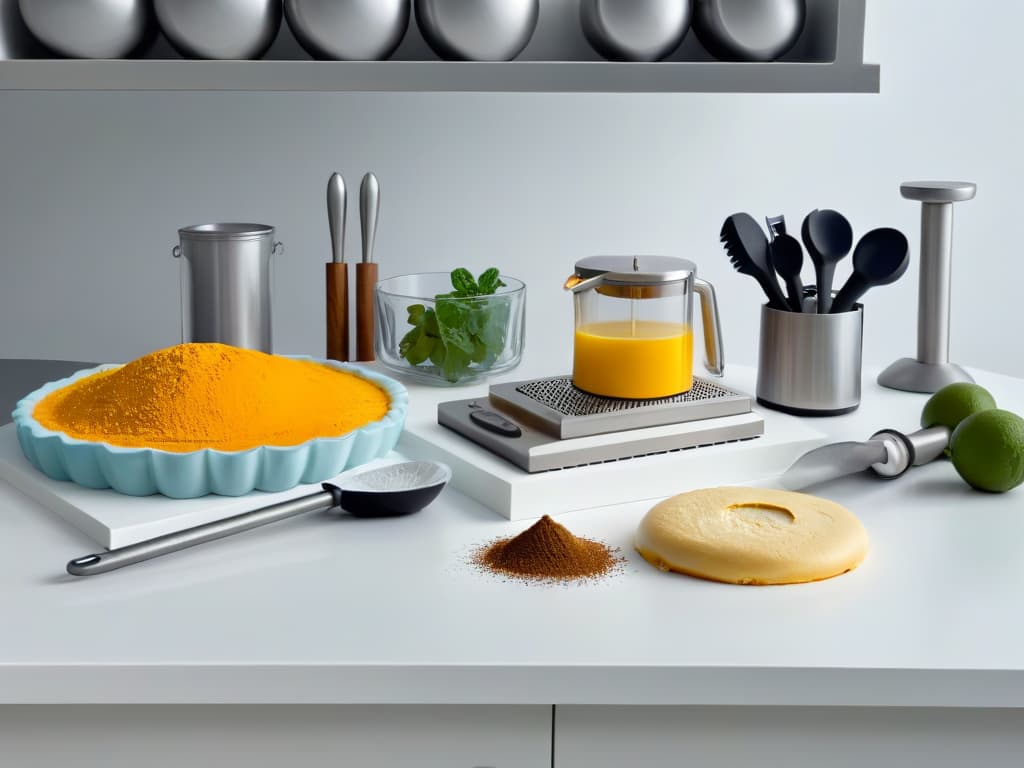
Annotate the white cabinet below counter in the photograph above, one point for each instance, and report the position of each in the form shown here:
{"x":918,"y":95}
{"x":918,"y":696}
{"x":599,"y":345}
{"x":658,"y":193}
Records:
{"x":275,"y":736}
{"x":786,"y":737}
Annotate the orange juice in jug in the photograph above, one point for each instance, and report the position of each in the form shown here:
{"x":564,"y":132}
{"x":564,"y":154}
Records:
{"x":637,"y":359}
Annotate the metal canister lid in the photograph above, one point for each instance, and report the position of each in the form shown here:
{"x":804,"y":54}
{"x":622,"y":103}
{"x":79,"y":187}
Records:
{"x":636,"y":270}
{"x":230,"y":231}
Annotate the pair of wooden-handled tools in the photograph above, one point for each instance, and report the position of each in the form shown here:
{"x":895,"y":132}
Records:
{"x":337,"y":270}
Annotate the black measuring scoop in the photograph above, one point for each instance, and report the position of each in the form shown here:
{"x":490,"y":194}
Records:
{"x":881,"y":257}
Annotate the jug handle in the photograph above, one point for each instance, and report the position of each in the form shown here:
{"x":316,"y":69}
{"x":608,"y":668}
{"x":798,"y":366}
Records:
{"x":714,"y":351}
{"x":578,"y":284}
{"x":176,"y":251}
{"x":278,"y":249}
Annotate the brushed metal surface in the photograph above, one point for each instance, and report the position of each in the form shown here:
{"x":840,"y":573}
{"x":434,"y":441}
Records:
{"x":89,"y":29}
{"x":355,"y":30}
{"x":536,"y":450}
{"x":225,"y":29}
{"x":910,"y":375}
{"x":748,"y":30}
{"x":104,"y":562}
{"x":16,"y":40}
{"x":935,"y":282}
{"x":337,"y":214}
{"x":369,"y":212}
{"x":226,"y":284}
{"x":714,"y":346}
{"x":931,"y":370}
{"x":810,"y":363}
{"x":477,"y":30}
{"x":635,"y":30}
{"x":835,"y":460}
{"x":558,"y":408}
{"x":889,"y":452}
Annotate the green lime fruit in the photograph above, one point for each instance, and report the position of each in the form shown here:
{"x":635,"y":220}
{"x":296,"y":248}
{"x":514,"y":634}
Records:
{"x":987,"y":449}
{"x":954,"y":403}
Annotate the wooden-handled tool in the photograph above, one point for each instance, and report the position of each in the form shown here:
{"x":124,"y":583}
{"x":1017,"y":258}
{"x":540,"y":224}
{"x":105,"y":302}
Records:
{"x":366,"y":270}
{"x":337,"y":272}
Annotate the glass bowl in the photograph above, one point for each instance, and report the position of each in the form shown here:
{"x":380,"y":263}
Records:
{"x":445,"y":340}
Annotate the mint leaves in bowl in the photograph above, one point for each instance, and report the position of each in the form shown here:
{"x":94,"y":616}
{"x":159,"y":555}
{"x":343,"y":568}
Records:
{"x":448,"y":329}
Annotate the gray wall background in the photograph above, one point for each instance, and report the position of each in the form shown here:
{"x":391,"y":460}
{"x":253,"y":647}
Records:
{"x":93,"y":187}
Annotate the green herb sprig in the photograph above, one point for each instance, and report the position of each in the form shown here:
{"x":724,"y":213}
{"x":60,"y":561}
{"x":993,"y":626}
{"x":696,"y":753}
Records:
{"x":465,"y":327}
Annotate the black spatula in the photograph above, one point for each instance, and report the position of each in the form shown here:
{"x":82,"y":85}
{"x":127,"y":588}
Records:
{"x":747,"y":246}
{"x":828,"y":237}
{"x":881,"y":257}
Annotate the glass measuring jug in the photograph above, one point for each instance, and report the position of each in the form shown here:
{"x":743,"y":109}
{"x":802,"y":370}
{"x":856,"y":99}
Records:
{"x":633,"y":325}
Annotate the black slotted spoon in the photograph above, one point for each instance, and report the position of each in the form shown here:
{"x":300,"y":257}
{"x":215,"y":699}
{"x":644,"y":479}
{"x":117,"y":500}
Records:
{"x":828,"y":237}
{"x":747,"y":246}
{"x":881,"y":257}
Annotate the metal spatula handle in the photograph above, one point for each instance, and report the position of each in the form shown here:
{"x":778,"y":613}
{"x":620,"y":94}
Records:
{"x":102,"y":562}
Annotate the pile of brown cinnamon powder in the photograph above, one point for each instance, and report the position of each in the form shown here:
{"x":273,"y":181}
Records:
{"x":547,"y":551}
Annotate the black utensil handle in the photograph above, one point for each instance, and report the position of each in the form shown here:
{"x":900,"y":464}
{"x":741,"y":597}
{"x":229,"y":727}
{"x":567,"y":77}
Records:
{"x":853,"y":289}
{"x":796,"y":293}
{"x":825,"y":271}
{"x":776,"y":299}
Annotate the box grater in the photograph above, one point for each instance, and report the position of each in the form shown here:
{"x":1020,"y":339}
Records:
{"x":546,"y":424}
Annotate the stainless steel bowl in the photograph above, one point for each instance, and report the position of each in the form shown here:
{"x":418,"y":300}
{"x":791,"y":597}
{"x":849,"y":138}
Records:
{"x":89,"y":29}
{"x":219,"y":29}
{"x":477,"y":30}
{"x":635,"y":30}
{"x":16,"y":41}
{"x":748,"y":30}
{"x":360,"y":30}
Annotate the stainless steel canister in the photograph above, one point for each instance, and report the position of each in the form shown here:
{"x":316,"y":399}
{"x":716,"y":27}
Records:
{"x":810,"y":364}
{"x":226,"y":282}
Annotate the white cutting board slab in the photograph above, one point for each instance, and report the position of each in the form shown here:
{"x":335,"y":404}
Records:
{"x":115,"y":520}
{"x":517,"y":494}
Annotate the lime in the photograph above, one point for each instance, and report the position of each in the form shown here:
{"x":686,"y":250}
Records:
{"x":987,"y":449}
{"x":954,"y":403}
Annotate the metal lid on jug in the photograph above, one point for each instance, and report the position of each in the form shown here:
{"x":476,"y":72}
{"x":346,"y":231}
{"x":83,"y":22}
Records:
{"x":631,"y":277}
{"x":636,"y":270}
{"x":228,"y":231}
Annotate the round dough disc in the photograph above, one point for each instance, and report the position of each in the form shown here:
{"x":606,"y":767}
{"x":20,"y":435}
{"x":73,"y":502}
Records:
{"x":752,"y":536}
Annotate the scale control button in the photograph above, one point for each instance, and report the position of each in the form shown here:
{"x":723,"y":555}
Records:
{"x":495,"y":423}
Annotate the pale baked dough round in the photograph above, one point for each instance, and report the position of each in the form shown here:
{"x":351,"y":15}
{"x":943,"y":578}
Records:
{"x":752,"y":536}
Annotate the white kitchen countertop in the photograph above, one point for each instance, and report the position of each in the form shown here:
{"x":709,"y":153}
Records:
{"x":331,"y":609}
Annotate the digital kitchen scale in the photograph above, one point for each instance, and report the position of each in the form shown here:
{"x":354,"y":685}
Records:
{"x":548,"y":424}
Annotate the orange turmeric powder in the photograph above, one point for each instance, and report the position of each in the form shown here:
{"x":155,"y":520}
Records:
{"x":194,"y":396}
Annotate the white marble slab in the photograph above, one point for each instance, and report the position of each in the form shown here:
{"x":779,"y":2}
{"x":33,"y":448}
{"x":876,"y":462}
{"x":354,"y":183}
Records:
{"x":115,"y":520}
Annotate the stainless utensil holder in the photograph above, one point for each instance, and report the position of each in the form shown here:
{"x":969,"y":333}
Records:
{"x":810,"y":364}
{"x":225,"y":284}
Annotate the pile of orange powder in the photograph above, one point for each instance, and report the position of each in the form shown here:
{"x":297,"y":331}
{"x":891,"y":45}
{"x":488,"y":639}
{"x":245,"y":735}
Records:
{"x":195,"y":396}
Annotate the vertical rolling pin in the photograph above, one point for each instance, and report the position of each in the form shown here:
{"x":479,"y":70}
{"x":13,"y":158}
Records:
{"x":931,"y":370}
{"x":337,"y":272}
{"x":366,"y":270}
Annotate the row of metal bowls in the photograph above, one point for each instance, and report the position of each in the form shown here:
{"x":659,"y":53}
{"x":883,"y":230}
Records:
{"x":482,"y":30}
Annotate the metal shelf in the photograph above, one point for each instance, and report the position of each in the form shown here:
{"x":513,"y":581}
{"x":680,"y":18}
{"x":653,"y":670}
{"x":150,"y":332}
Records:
{"x":438,"y":76}
{"x":828,"y":58}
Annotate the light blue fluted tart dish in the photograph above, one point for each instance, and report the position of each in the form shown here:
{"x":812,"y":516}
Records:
{"x":146,"y":471}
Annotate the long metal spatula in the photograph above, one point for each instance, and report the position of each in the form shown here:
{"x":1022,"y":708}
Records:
{"x":888,"y":452}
